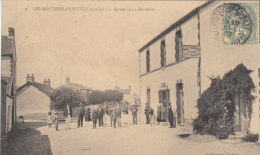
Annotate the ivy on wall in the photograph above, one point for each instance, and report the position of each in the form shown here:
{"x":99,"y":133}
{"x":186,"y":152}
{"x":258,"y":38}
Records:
{"x":216,"y":106}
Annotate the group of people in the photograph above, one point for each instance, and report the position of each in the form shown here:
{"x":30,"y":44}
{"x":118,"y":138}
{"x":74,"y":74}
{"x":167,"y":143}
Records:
{"x":150,"y":116}
{"x":97,"y":115}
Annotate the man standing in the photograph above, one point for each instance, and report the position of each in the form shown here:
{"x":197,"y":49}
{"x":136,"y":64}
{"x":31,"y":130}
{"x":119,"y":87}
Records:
{"x":100,"y":115}
{"x":151,"y":116}
{"x":56,"y":119}
{"x":114,"y":116}
{"x":87,"y":115}
{"x":146,"y":112}
{"x":119,"y":117}
{"x":171,"y":117}
{"x":94,"y":118}
{"x":68,"y":115}
{"x":80,"y":113}
{"x":134,"y":113}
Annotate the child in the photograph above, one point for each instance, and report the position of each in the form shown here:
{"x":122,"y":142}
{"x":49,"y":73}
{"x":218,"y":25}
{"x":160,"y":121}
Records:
{"x":94,"y":118}
{"x":114,"y":116}
{"x":56,"y":119}
{"x":49,"y":120}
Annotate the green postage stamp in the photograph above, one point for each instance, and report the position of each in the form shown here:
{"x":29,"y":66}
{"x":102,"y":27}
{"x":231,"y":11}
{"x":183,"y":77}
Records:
{"x":240,"y":23}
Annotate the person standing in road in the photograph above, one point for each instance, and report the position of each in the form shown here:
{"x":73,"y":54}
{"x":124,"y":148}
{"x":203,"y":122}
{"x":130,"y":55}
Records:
{"x":114,"y":116}
{"x":171,"y":117}
{"x":151,"y":116}
{"x":49,"y":121}
{"x":146,"y":112}
{"x":56,"y":119}
{"x":159,"y":113}
{"x":87,"y":115}
{"x":94,"y":118}
{"x":80,"y":113}
{"x":100,"y":112}
{"x":134,"y":113}
{"x":111,"y":117}
{"x":68,"y":115}
{"x":119,"y":117}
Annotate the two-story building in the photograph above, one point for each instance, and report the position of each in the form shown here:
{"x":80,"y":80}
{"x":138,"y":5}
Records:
{"x":8,"y":75}
{"x":212,"y":39}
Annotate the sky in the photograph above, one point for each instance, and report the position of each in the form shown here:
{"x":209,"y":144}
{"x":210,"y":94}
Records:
{"x":98,"y":49}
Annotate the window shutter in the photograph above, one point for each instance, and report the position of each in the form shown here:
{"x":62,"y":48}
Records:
{"x":148,"y":60}
{"x":160,"y":97}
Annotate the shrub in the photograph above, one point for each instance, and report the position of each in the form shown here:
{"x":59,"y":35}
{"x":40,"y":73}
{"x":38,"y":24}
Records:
{"x":251,"y":137}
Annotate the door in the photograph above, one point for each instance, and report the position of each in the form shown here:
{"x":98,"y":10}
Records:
{"x":9,"y":118}
{"x":164,"y":97}
{"x":180,"y":104}
{"x":241,"y":124}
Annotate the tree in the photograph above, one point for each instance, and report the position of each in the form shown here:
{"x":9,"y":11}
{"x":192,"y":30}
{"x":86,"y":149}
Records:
{"x":98,"y":97}
{"x":95,"y":97}
{"x":113,"y":95}
{"x":63,"y":95}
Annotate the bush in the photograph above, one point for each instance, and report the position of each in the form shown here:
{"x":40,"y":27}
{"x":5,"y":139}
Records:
{"x":251,"y":137}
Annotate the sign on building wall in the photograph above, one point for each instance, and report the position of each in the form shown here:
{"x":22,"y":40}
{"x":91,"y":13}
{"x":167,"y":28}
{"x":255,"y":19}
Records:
{"x":191,"y":51}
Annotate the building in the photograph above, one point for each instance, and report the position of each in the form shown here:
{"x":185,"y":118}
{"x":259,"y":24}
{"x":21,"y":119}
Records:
{"x":33,"y":99}
{"x":81,"y":88}
{"x":175,"y":66}
{"x":128,"y":95}
{"x":8,"y":77}
{"x":3,"y":133}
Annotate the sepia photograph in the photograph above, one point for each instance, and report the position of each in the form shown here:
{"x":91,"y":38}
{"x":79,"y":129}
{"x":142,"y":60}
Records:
{"x":135,"y":77}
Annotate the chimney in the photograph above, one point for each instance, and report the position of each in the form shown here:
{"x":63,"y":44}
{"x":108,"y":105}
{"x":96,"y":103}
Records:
{"x":47,"y":82}
{"x":30,"y":78}
{"x":67,"y":80}
{"x":11,"y":31}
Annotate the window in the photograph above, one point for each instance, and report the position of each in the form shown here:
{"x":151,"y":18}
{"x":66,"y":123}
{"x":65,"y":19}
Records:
{"x":258,"y":72}
{"x":163,"y":53}
{"x":148,"y":60}
{"x":178,"y":45}
{"x":148,"y":96}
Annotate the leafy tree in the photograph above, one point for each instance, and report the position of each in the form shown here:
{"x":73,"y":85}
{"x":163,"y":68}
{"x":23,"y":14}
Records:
{"x":63,"y":95}
{"x":113,"y":95}
{"x":98,"y":97}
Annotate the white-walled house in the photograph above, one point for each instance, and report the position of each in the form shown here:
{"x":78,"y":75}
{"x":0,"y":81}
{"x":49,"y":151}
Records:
{"x":33,"y":99}
{"x":175,"y":66}
{"x":8,"y":75}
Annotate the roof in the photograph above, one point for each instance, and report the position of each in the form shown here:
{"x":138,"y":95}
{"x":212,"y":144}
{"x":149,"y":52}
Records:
{"x":176,"y":24}
{"x":125,"y":91}
{"x":43,"y":88}
{"x":9,"y":84}
{"x":76,"y":85}
{"x":7,"y":46}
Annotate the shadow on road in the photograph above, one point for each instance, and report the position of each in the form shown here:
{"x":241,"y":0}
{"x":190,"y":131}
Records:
{"x":26,"y":139}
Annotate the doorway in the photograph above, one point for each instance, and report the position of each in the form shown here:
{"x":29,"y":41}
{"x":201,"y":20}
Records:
{"x":180,"y":104}
{"x":240,"y":114}
{"x":164,"y":99}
